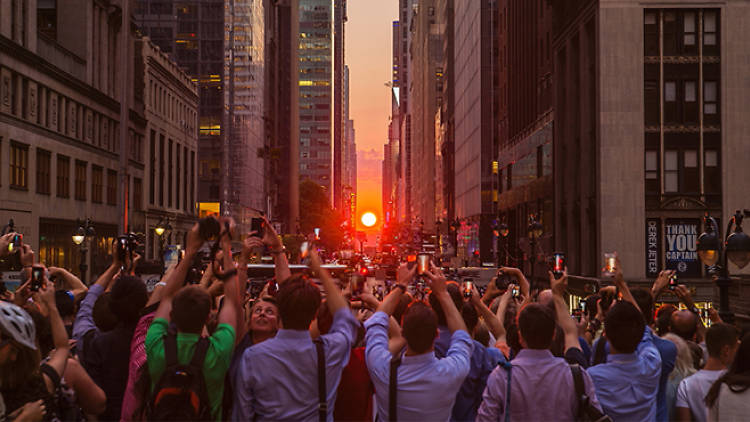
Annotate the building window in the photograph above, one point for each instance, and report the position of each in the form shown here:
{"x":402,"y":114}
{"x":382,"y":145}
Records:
{"x":97,"y":184}
{"x":43,"y":171}
{"x":652,"y":172}
{"x":19,"y":161}
{"x":691,"y":175}
{"x":690,"y":95}
{"x":152,"y":170}
{"x":671,"y":172}
{"x":709,"y":27}
{"x":137,"y":194}
{"x":170,"y":174}
{"x":63,"y":177}
{"x":80,"y":192}
{"x":111,"y":187}
{"x":711,"y":172}
{"x":710,"y":97}
{"x":670,"y":91}
{"x":161,"y":170}
{"x":688,"y":38}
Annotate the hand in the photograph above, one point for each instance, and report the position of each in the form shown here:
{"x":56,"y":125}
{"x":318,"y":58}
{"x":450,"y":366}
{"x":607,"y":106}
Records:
{"x":362,"y":314}
{"x":270,"y":237}
{"x":27,"y":255}
{"x":136,"y":259}
{"x":437,"y":279}
{"x":582,"y":325}
{"x":251,"y":242}
{"x":47,"y":293}
{"x":30,"y":412}
{"x":492,"y":290}
{"x":4,"y":242}
{"x":405,"y":274}
{"x":619,"y":279}
{"x":515,"y":272}
{"x":683,"y":293}
{"x":224,"y":237}
{"x":193,"y":241}
{"x":475,"y":298}
{"x":661,"y":281}
{"x":713,"y":316}
{"x":599,"y":311}
{"x":559,"y":285}
{"x":55,"y":271}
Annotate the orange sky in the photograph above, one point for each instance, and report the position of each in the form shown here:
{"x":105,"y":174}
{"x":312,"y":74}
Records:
{"x":368,"y":54}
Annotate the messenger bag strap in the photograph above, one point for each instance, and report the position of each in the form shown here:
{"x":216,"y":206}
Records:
{"x":508,"y":367}
{"x":322,"y":389}
{"x":393,"y":388}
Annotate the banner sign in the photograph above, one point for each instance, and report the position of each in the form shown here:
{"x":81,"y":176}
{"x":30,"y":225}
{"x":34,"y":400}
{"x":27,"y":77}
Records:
{"x":680,"y":239}
{"x":653,"y":247}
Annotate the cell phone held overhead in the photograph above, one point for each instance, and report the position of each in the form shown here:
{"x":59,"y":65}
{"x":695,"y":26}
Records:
{"x":423,"y":263}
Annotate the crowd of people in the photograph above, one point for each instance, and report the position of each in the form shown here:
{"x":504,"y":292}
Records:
{"x":311,"y":347}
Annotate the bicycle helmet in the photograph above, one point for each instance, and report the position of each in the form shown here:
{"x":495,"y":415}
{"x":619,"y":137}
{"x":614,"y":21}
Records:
{"x":17,"y":323}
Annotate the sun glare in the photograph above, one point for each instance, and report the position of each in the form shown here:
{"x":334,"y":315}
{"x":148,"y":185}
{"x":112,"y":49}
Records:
{"x":369,"y":219}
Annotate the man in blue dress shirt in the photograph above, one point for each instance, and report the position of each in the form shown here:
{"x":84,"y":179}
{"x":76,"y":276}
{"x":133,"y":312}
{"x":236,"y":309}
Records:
{"x":427,"y":386}
{"x":278,"y":378}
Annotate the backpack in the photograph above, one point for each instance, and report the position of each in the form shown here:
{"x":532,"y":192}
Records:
{"x":586,"y":411}
{"x":181,"y":394}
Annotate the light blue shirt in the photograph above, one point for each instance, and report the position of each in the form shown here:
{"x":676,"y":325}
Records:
{"x":427,"y":386}
{"x":628,"y":384}
{"x":278,"y":378}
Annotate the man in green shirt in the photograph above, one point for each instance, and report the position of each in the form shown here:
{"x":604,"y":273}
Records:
{"x":189,"y":308}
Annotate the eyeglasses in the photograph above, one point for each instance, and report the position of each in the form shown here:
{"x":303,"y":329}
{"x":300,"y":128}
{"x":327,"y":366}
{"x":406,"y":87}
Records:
{"x":267,"y":311}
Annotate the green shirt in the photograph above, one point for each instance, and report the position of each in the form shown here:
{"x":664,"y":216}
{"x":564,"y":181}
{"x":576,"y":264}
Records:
{"x":215,"y":366}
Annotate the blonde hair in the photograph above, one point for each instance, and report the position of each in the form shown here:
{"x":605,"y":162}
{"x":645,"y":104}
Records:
{"x":683,"y":366}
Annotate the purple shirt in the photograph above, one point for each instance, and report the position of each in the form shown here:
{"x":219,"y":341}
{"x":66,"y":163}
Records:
{"x":542,"y":388}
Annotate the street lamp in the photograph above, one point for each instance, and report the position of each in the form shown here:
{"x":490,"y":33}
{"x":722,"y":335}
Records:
{"x":736,"y":249}
{"x":161,"y":228}
{"x":534,"y":231}
{"x":85,"y":230}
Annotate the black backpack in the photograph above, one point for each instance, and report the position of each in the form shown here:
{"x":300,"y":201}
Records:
{"x":586,"y":411}
{"x":181,"y":394}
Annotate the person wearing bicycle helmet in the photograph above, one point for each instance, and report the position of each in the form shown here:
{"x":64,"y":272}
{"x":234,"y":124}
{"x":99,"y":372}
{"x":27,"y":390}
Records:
{"x":23,"y":379}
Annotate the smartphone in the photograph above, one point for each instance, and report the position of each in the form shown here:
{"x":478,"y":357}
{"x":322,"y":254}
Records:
{"x":515,"y":292}
{"x":672,"y":282}
{"x":610,"y":262}
{"x":273,"y":287}
{"x":423,"y":263}
{"x":257,"y":226}
{"x":468,"y":287}
{"x":304,"y":249}
{"x":558,"y":267}
{"x":37,"y":278}
{"x":582,"y":305}
{"x":15,"y":243}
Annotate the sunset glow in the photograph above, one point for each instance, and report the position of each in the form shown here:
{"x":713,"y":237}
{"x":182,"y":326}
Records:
{"x":369,"y":219}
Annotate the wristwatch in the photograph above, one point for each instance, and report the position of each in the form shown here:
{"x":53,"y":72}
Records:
{"x":400,"y":286}
{"x":278,"y":251}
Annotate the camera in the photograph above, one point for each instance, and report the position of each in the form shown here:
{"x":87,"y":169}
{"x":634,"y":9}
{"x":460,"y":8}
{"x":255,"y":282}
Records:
{"x":209,"y":228}
{"x":37,"y":278}
{"x":15,"y":243}
{"x":127,"y":244}
{"x":468,"y":287}
{"x":558,"y":267}
{"x":257,"y":225}
{"x":515,"y":292}
{"x":197,"y":268}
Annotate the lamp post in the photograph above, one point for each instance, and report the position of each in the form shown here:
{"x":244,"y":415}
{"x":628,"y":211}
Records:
{"x":504,"y":232}
{"x":534,"y":231}
{"x":736,"y":249}
{"x":161,"y":228}
{"x":85,"y":230}
{"x":437,"y":236}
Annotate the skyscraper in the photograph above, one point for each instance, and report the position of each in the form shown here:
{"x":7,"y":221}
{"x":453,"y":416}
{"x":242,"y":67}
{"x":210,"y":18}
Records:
{"x":316,"y":91}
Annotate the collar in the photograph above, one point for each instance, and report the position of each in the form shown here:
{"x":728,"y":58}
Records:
{"x":283,"y":334}
{"x":622,"y":357}
{"x":418,"y":359}
{"x":534,"y":355}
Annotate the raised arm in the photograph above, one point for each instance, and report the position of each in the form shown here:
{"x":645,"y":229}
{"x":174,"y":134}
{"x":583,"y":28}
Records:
{"x":59,"y":357}
{"x":523,"y":283}
{"x":71,"y":282}
{"x":390,"y":303}
{"x":493,"y":323}
{"x":176,"y":278}
{"x":334,"y":298}
{"x":229,"y":313}
{"x":280,"y":261}
{"x":558,"y":286}
{"x":622,"y":285}
{"x":452,"y":316}
{"x":660,"y":283}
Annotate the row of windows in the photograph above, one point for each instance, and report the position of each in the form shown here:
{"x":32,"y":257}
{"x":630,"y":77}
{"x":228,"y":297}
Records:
{"x":28,"y":100}
{"x":682,"y":171}
{"x":163,"y":101}
{"x":19,"y":177}
{"x":169,"y":164}
{"x":682,"y":31}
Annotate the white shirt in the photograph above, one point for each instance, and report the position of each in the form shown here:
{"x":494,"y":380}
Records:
{"x":730,"y":406}
{"x":692,"y":392}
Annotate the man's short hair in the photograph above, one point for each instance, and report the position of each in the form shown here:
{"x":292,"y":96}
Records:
{"x":190,"y":309}
{"x":646,"y":302}
{"x":537,"y":325}
{"x":104,"y":318}
{"x":470,"y":316}
{"x":624,"y":326}
{"x":65,"y":304}
{"x":129,"y":296}
{"x":663,"y":316}
{"x":718,"y":336}
{"x":455,"y":293}
{"x":420,"y":327}
{"x":299,"y":300}
{"x":684,"y":324}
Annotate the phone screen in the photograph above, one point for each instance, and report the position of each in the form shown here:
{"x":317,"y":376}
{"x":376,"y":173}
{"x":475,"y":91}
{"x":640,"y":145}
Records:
{"x":256,"y":225}
{"x":423,"y":263}
{"x":304,"y":249}
{"x":672,"y":281}
{"x":37,"y":275}
{"x":468,"y":287}
{"x":559,"y":264}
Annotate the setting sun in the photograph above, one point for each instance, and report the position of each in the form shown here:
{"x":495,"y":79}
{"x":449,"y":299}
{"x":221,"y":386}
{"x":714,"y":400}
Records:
{"x":369,"y":219}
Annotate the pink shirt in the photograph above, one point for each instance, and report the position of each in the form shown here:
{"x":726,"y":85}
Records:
{"x":131,"y":402}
